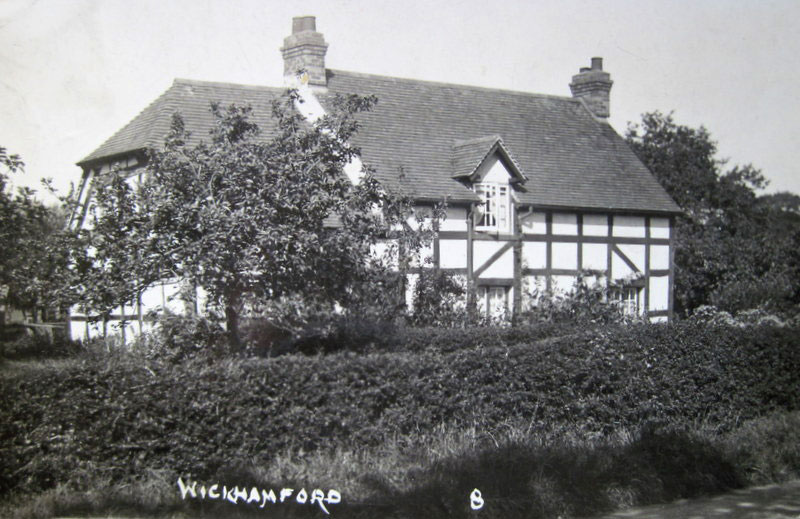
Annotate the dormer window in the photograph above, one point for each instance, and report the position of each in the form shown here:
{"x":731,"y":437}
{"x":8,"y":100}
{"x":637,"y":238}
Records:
{"x":495,"y":211}
{"x":486,"y":164}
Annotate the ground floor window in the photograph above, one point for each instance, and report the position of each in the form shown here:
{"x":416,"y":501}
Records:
{"x":628,"y":299}
{"x":493,"y":301}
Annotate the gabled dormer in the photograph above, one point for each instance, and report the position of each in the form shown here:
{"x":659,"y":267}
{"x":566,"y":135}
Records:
{"x":486,"y":165}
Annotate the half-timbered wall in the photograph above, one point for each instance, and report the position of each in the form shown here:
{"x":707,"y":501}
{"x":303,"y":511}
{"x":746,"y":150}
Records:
{"x":548,"y":250}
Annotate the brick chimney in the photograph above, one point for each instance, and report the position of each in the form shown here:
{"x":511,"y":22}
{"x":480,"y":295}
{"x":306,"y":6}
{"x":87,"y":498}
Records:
{"x":305,"y":49}
{"x":593,"y":86}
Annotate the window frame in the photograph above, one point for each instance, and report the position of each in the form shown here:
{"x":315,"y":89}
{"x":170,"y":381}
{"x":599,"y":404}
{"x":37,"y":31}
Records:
{"x":485,"y":297}
{"x":628,"y":298}
{"x":496,"y":207}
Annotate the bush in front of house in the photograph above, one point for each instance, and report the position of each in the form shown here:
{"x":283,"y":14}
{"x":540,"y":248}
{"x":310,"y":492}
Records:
{"x":26,"y":345}
{"x":177,"y":337}
{"x":120,"y":416}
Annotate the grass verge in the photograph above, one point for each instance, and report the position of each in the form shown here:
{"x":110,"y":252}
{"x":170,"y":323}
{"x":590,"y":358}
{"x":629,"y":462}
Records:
{"x":521,"y":472}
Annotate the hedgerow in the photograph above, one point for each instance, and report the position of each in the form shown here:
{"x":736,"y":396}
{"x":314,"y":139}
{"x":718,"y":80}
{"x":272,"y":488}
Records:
{"x":119,"y":417}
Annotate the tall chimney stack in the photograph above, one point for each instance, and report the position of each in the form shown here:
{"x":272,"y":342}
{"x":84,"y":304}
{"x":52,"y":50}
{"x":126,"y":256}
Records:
{"x":593,"y":86}
{"x":305,"y":50}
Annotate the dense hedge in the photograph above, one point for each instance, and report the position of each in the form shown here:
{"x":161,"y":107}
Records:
{"x":119,"y":417}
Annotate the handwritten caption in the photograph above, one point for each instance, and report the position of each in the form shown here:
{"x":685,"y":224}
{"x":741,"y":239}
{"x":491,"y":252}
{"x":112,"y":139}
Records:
{"x":255,"y":495}
{"x":476,"y":499}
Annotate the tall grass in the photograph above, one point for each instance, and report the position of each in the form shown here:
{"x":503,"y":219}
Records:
{"x":521,"y":472}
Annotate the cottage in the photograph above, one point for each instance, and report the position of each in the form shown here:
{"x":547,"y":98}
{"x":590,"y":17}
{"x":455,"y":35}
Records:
{"x":540,"y":188}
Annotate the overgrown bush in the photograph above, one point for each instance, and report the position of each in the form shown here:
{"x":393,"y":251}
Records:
{"x":448,"y":340}
{"x":29,"y":345}
{"x":177,"y":337}
{"x":439,"y":300}
{"x":326,"y":333}
{"x":59,"y":425}
{"x":584,"y":305}
{"x":714,"y":316}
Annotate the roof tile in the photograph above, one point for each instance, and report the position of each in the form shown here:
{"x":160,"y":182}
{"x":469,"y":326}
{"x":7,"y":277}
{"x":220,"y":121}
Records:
{"x":412,"y":136}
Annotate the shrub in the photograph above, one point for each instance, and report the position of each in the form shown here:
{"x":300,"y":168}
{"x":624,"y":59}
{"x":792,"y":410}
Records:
{"x":27,"y":345}
{"x":59,"y":425}
{"x":583,"y":305}
{"x":773,"y":291}
{"x":177,"y":337}
{"x":439,"y":300}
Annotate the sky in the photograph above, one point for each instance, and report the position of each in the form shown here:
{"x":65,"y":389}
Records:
{"x":72,"y":72}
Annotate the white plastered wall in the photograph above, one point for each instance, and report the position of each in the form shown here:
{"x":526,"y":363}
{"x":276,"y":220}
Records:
{"x":493,"y":170}
{"x":629,"y":226}
{"x":565,"y":223}
{"x":594,"y":256}
{"x":534,"y":223}
{"x":453,"y":254}
{"x":534,"y":254}
{"x":659,"y":293}
{"x":595,"y":225}
{"x":635,"y":253}
{"x":503,"y":267}
{"x":455,"y":220}
{"x":565,"y":255}
{"x":659,"y":228}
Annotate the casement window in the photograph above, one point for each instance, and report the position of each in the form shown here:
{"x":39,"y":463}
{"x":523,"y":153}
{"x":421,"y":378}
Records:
{"x":495,"y":214}
{"x":493,"y":301}
{"x":628,"y":299}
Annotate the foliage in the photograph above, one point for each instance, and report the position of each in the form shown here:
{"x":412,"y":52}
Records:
{"x":584,"y":305}
{"x":26,"y":344}
{"x":758,"y":316}
{"x":119,"y":416}
{"x":521,"y":473}
{"x":178,"y":337}
{"x":34,"y":256}
{"x":735,"y":249}
{"x":115,"y":259}
{"x":439,"y":299}
{"x":246,"y":216}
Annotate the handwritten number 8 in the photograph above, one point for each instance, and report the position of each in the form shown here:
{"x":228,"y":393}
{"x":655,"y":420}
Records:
{"x":476,"y":500}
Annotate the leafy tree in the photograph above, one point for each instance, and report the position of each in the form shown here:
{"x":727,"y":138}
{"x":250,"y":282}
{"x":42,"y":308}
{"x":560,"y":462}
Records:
{"x":246,"y":216}
{"x":34,"y":252}
{"x":734,"y":248}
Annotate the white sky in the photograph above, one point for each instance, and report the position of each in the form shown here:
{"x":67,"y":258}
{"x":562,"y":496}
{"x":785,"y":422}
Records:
{"x":72,"y":72}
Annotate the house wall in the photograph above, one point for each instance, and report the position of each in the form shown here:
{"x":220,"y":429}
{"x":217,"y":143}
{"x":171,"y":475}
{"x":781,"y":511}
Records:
{"x":130,"y":320}
{"x":544,"y":251}
{"x":549,"y":250}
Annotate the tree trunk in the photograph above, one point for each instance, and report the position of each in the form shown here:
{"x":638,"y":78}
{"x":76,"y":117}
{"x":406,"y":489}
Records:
{"x":232,"y":322}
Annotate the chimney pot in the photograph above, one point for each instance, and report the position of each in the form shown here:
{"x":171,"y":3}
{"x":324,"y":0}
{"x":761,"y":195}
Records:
{"x":304,"y":23}
{"x":597,"y":63}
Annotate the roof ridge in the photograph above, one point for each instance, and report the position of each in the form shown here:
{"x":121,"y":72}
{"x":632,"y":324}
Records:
{"x":459,"y":85}
{"x":199,"y":82}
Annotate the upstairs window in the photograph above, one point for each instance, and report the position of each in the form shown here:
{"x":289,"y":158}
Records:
{"x":495,"y":214}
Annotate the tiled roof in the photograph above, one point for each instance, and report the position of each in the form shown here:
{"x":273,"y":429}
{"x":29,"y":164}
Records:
{"x":192,"y":100}
{"x":468,"y":155}
{"x":570,"y":159}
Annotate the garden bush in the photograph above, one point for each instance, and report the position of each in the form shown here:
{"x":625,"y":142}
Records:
{"x":177,"y":337}
{"x":119,"y":417}
{"x":29,"y":345}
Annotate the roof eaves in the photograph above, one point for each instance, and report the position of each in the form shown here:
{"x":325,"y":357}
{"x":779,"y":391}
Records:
{"x":517,"y":169}
{"x":496,"y":144}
